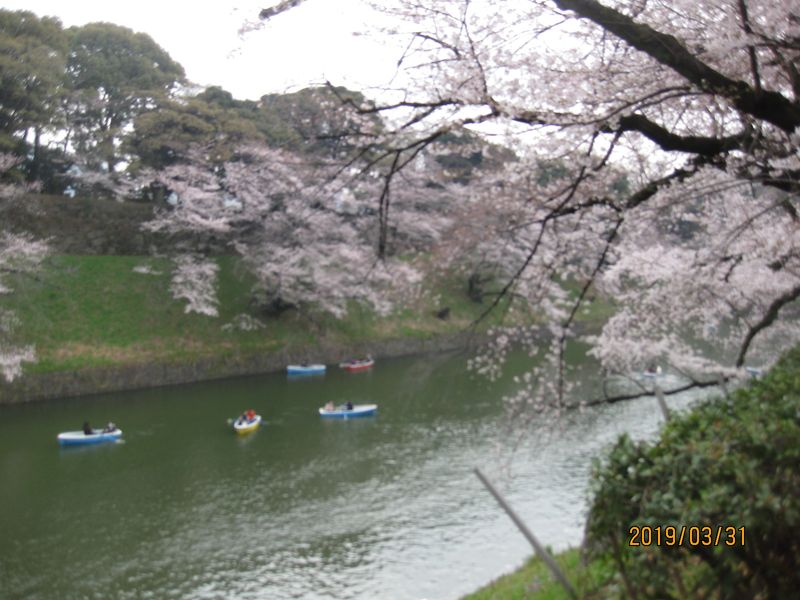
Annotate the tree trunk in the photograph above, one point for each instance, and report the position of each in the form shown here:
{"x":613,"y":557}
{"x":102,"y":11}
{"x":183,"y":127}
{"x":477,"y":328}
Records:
{"x":33,"y":172}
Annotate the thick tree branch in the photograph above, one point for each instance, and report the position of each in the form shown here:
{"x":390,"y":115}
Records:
{"x":751,"y":51}
{"x":268,"y":13}
{"x":769,"y":106}
{"x":692,"y":385}
{"x":705,"y":146}
{"x":767,"y":320}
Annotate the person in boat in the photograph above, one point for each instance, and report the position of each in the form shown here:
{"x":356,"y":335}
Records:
{"x":110,"y":427}
{"x":250,"y":414}
{"x":329,"y":406}
{"x":652,"y":369}
{"x":87,"y":429}
{"x":349,"y":405}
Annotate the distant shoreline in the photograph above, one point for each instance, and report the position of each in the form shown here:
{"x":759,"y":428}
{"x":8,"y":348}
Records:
{"x":32,"y":387}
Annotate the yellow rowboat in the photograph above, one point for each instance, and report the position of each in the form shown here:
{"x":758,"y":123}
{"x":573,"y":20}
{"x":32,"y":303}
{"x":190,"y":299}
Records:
{"x":243,"y":425}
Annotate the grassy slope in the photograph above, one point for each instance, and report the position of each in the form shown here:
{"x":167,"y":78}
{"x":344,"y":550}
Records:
{"x":533,"y":580}
{"x":95,"y":310}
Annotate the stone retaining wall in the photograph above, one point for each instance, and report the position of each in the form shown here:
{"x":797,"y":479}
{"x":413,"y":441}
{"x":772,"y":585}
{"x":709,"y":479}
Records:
{"x":48,"y":386}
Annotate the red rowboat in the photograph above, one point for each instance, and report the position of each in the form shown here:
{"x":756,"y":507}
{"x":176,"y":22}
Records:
{"x":357,"y":365}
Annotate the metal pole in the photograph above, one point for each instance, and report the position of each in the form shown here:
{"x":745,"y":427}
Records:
{"x":662,"y":404}
{"x":538,"y":548}
{"x":721,"y":383}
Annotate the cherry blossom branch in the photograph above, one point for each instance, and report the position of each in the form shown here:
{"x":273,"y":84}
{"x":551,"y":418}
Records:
{"x":562,"y":343}
{"x":513,"y":279}
{"x":769,"y":106}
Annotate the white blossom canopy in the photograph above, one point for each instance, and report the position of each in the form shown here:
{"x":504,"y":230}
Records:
{"x":673,"y":127}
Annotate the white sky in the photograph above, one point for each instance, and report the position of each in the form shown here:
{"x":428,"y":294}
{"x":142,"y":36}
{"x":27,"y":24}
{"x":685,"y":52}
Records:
{"x":308,"y":44}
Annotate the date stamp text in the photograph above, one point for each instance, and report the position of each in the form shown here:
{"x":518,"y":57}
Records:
{"x":686,"y":535}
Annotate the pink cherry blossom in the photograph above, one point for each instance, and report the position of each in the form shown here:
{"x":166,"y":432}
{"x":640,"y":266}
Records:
{"x":20,"y":254}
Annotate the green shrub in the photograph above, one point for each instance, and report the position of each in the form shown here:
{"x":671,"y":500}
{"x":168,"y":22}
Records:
{"x":729,"y":462}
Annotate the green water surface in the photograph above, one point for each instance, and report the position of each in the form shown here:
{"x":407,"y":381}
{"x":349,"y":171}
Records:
{"x":383,"y":507}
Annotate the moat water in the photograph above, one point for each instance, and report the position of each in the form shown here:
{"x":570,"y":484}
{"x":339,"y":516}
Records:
{"x":382,"y":507}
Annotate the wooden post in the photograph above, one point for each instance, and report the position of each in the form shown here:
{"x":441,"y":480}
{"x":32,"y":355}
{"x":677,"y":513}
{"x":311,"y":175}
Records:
{"x":538,"y":548}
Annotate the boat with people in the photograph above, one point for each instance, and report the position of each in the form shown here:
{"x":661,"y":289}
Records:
{"x":247,"y":422}
{"x":347,"y":411}
{"x":88,"y":435}
{"x":355,"y":365}
{"x":652,"y":372}
{"x":305,"y":369}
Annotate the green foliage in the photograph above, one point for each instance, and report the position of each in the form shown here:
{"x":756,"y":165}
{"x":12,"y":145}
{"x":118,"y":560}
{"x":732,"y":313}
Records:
{"x":460,"y":153}
{"x":548,"y":171}
{"x":117,"y":59}
{"x":730,"y":462}
{"x":33,"y":54}
{"x":115,"y":74}
{"x":311,"y":121}
{"x":49,"y":168}
{"x":91,"y":82}
{"x":32,"y":58}
{"x":164,"y":136}
{"x":318,"y":120}
{"x":261,"y":123}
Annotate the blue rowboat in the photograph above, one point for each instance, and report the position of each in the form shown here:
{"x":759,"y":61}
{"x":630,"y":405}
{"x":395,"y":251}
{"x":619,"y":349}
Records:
{"x":79,"y":438}
{"x":342,"y":412}
{"x":305,"y":369}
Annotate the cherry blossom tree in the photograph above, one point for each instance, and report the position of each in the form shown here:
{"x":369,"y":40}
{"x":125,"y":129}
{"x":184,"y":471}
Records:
{"x":193,"y":280}
{"x":305,"y":237}
{"x":674,"y":129}
{"x":20,"y":254}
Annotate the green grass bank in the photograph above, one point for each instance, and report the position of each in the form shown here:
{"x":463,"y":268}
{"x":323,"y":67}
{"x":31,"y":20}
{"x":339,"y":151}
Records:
{"x":90,"y":311}
{"x":97,"y":325}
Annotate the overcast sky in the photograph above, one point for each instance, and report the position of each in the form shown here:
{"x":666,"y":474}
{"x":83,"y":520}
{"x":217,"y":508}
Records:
{"x":306,"y":45}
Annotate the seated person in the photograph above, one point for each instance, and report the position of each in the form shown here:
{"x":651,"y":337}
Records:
{"x":110,"y":427}
{"x":87,"y":429}
{"x":349,"y":405}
